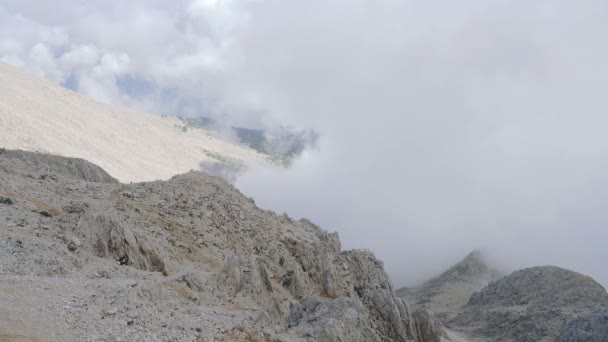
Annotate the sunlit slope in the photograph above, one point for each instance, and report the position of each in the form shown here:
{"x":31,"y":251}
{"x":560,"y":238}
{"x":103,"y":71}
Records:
{"x":38,"y":115}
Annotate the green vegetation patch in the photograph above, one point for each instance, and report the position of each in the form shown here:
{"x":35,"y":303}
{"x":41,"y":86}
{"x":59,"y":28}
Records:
{"x":6,"y":201}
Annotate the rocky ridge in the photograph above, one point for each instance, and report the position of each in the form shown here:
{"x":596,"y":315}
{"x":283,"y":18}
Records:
{"x":188,"y":259}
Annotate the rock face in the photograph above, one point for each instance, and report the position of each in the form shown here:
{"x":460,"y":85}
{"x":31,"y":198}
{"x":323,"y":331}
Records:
{"x":590,"y":328}
{"x":187,"y":259}
{"x":446,"y":294}
{"x":365,"y":299}
{"x":532,"y":305}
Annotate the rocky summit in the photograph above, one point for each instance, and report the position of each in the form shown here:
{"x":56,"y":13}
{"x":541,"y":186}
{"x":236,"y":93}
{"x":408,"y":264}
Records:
{"x":445,"y":294}
{"x":474,"y":302}
{"x":86,"y":258}
{"x":544,"y":303}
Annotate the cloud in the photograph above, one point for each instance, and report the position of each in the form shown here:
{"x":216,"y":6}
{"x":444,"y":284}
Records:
{"x":444,"y":126}
{"x":177,"y":48}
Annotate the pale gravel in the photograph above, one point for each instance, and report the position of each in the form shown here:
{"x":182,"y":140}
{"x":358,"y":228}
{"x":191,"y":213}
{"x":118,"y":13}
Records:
{"x":40,"y":116}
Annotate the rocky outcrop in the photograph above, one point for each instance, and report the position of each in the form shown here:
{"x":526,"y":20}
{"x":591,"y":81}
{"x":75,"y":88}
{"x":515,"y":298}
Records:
{"x":365,"y":298}
{"x":182,"y":259}
{"x":532,"y":305}
{"x":332,"y":320}
{"x":111,"y":237}
{"x":43,"y":166}
{"x":427,"y":327}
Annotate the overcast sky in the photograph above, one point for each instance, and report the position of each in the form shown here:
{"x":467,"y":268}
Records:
{"x":445,"y":126}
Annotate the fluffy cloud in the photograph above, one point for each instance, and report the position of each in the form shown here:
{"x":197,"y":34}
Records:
{"x":175,"y":48}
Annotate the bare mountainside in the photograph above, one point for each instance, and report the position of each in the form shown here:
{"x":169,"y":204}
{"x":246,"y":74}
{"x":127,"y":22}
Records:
{"x":544,"y":303}
{"x":37,"y":115}
{"x":446,"y":294}
{"x":83,"y":257}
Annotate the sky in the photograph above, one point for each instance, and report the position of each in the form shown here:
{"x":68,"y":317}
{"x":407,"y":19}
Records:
{"x":445,"y":126}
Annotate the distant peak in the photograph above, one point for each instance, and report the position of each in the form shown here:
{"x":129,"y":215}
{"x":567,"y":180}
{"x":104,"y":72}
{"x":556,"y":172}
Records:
{"x":472,"y":266}
{"x":474,"y":263}
{"x":474,"y":255}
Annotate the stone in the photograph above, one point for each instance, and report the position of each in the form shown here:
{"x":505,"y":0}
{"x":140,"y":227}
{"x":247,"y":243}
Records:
{"x":74,"y":243}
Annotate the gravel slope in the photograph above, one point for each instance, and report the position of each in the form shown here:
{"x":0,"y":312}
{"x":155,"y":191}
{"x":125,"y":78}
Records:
{"x":37,"y":115}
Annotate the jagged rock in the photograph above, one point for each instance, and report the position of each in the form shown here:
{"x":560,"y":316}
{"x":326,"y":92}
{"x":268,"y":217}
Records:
{"x":264,"y":274}
{"x":327,"y":274}
{"x":427,"y":327}
{"x":390,"y":314}
{"x":326,"y":320}
{"x":114,"y":238}
{"x":234,"y":275}
{"x":364,"y":297}
{"x":181,"y":258}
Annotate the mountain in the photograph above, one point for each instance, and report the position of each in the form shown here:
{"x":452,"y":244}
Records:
{"x":84,"y":257}
{"x":475,"y":302}
{"x":544,"y":303}
{"x":37,"y":115}
{"x":446,"y":294}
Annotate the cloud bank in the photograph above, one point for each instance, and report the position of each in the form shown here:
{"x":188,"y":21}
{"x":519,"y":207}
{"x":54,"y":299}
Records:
{"x":444,"y":126}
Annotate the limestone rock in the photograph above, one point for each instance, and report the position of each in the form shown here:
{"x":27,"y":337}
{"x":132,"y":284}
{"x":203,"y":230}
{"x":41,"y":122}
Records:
{"x":532,"y":304}
{"x":114,"y":238}
{"x":590,"y":328}
{"x":177,"y":260}
{"x":427,"y":327}
{"x":47,"y":166}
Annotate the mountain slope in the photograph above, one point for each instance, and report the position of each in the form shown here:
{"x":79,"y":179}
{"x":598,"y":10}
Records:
{"x":446,"y":294}
{"x":543,"y":303}
{"x":37,"y":115}
{"x":83,"y":257}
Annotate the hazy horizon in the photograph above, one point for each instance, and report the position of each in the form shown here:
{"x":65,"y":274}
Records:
{"x":444,"y":127}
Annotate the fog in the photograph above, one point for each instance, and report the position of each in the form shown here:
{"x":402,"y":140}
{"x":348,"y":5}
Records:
{"x":444,"y":126}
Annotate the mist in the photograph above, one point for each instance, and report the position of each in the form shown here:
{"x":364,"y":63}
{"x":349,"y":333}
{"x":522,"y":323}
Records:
{"x":444,"y":127}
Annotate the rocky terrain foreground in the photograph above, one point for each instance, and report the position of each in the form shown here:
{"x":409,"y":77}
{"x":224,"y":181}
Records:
{"x":85,"y":258}
{"x":543,"y":303}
